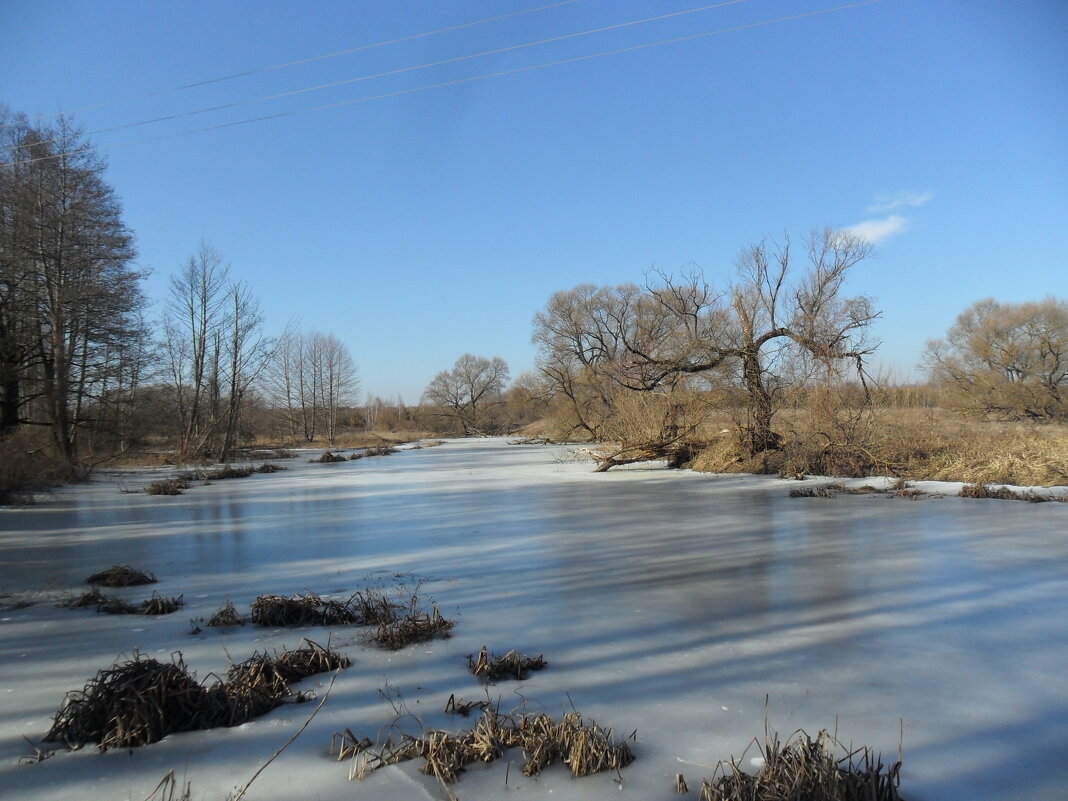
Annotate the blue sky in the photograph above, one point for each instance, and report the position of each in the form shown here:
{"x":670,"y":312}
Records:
{"x":423,"y":225}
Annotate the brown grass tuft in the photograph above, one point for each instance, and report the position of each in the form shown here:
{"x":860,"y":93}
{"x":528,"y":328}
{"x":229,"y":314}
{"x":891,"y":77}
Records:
{"x":122,"y":576}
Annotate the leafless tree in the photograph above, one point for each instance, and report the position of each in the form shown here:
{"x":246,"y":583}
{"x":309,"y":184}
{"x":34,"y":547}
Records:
{"x":1006,"y":360}
{"x":313,"y":377}
{"x":761,"y":332}
{"x":468,"y":390}
{"x":70,"y":298}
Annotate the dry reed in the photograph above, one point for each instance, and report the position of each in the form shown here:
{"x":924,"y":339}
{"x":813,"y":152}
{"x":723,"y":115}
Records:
{"x":583,"y":746}
{"x":142,"y":700}
{"x":122,"y":576}
{"x":511,"y":665}
{"x":819,"y":769}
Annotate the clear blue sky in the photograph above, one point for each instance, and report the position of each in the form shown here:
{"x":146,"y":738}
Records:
{"x":424,"y":225}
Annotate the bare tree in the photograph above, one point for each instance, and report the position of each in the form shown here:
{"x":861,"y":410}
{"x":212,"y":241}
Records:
{"x":468,"y":390}
{"x":762,"y":333}
{"x":1006,"y":360}
{"x":70,"y":299}
{"x":313,"y":377}
{"x":214,"y":348}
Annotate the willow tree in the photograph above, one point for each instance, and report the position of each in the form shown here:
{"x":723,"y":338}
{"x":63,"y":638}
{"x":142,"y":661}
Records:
{"x":759,"y":334}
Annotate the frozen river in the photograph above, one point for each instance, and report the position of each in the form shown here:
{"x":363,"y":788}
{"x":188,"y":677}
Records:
{"x":668,"y":602}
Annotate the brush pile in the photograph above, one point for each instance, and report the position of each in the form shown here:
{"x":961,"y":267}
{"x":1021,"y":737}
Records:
{"x":819,"y":769}
{"x":328,"y":458}
{"x":121,"y":576}
{"x":585,"y":747}
{"x":511,"y":665}
{"x":142,"y":700}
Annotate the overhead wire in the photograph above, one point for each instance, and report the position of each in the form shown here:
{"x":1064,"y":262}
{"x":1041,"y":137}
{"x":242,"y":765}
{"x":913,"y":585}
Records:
{"x":470,"y":79}
{"x":414,"y":68}
{"x":308,"y":60}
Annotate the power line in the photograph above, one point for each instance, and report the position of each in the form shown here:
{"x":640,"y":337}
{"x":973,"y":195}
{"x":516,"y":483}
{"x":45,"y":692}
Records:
{"x":415,"y":68}
{"x":471,"y":79}
{"x":309,"y":60}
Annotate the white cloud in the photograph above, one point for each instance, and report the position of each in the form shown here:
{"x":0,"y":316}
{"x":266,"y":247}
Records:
{"x":884,"y":204}
{"x":875,"y":231}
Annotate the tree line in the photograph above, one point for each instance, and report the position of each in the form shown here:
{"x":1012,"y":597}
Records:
{"x":643,"y":367}
{"x":81,"y":362}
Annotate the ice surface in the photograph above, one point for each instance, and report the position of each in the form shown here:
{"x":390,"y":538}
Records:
{"x":668,"y":602}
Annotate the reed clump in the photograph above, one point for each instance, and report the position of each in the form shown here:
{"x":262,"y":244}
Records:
{"x":583,"y":746}
{"x":302,"y":609}
{"x":328,"y":458}
{"x":412,"y":627}
{"x":269,"y":467}
{"x":122,"y":576}
{"x":227,"y":615}
{"x":511,"y":665}
{"x":813,"y":769}
{"x":111,"y":605}
{"x":142,"y":700}
{"x":167,"y":486}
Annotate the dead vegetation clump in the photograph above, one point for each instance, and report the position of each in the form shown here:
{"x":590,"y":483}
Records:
{"x":899,"y":489}
{"x":328,"y":458}
{"x":433,"y":443}
{"x":377,"y":450}
{"x":227,"y":616}
{"x":511,"y":665}
{"x":142,"y":700}
{"x":223,"y":473}
{"x":819,"y":769}
{"x":268,"y":467}
{"x":583,"y":746}
{"x":111,"y":605}
{"x":121,"y":576}
{"x":819,"y":491}
{"x":1006,"y":494}
{"x":138,"y":702}
{"x":167,"y":486}
{"x":302,"y":609}
{"x":414,"y":626}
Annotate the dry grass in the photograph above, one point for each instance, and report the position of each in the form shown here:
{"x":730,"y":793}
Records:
{"x":328,"y":458}
{"x":511,"y":665}
{"x":227,"y":616}
{"x":302,"y":609}
{"x":122,"y":576}
{"x":1006,"y":494}
{"x":110,"y":605}
{"x":583,"y":746}
{"x":413,"y":627}
{"x":141,"y":701}
{"x":907,"y":443}
{"x":807,"y":769}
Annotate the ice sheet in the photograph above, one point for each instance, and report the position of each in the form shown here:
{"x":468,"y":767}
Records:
{"x":666,"y":602}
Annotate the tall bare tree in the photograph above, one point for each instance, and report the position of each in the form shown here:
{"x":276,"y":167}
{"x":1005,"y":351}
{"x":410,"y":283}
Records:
{"x":469,"y":390}
{"x":70,"y":297}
